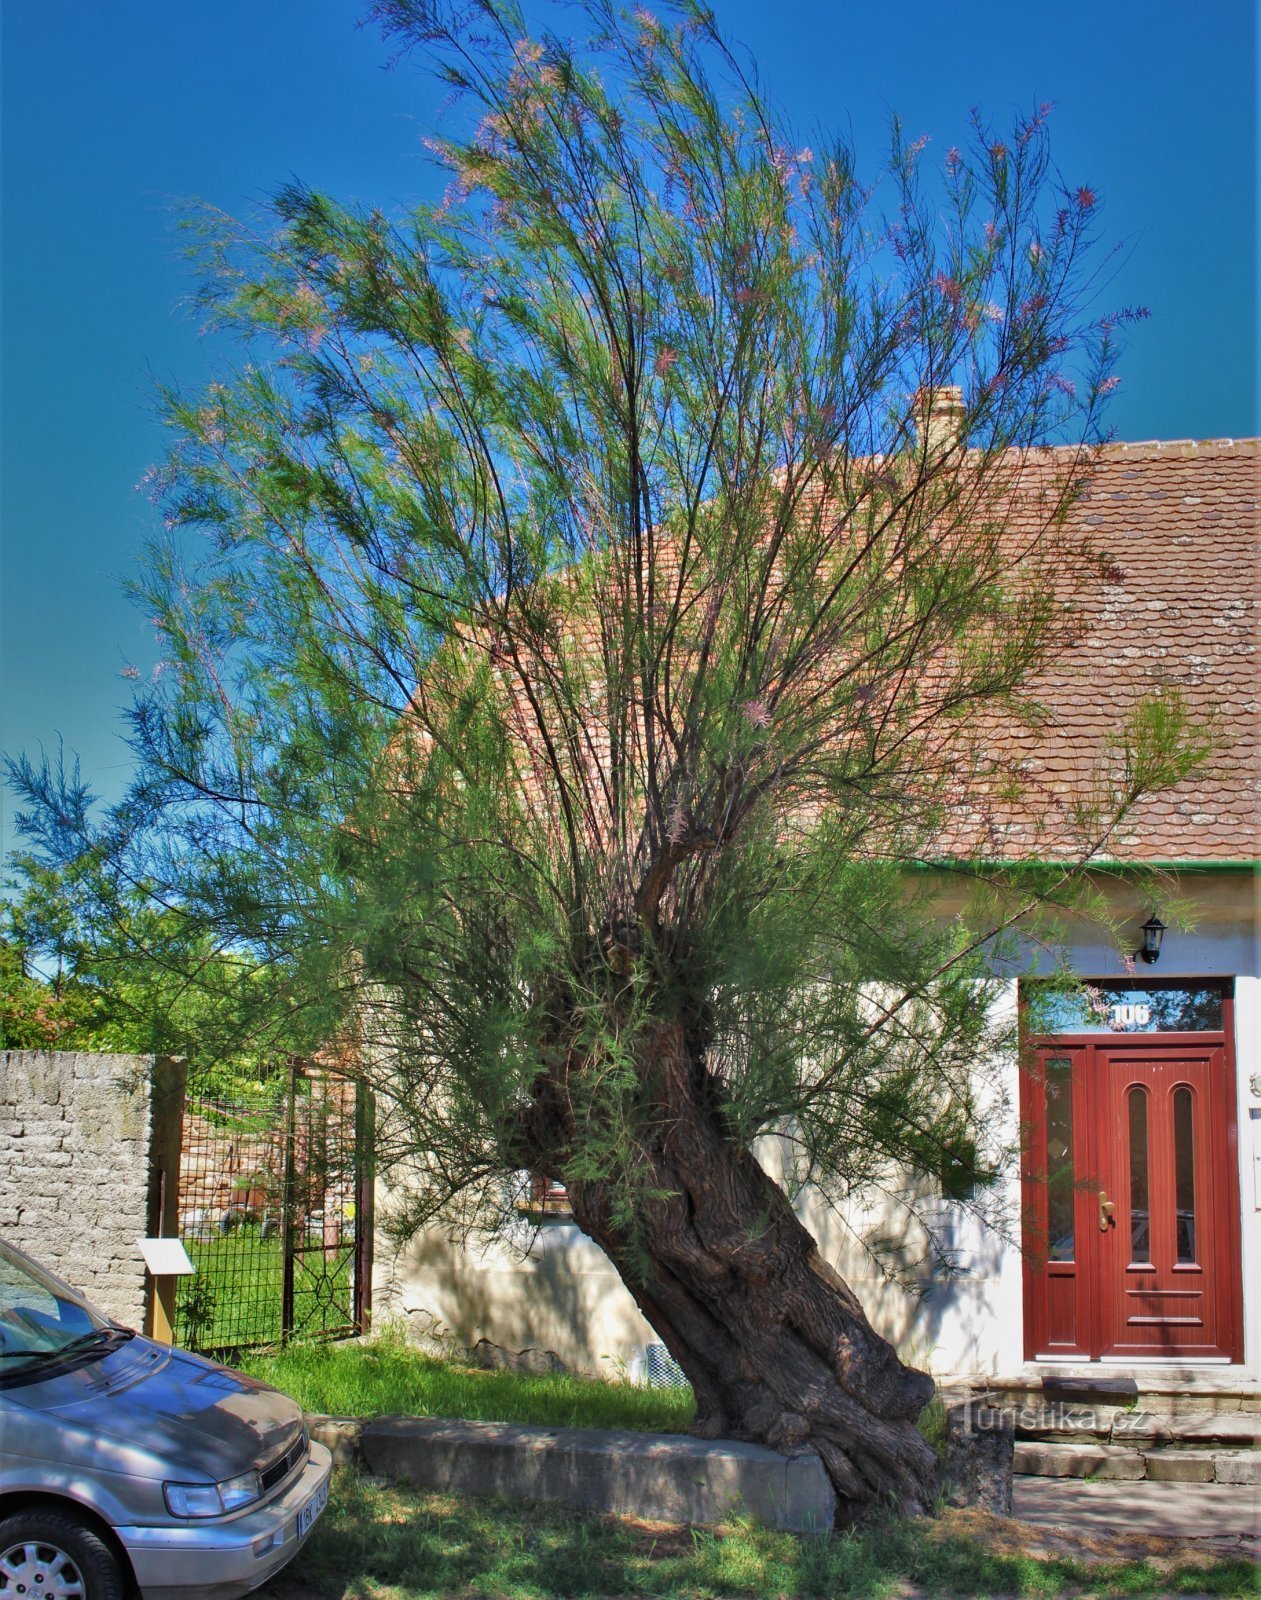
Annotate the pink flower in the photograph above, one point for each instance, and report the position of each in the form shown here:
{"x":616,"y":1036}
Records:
{"x":757,"y":712}
{"x":665,"y":360}
{"x":953,"y":159}
{"x":948,"y":289}
{"x":1086,"y":198}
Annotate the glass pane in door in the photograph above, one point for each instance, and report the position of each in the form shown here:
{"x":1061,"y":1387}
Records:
{"x":1140,"y":1203}
{"x":1184,"y":1173}
{"x":1061,"y":1190}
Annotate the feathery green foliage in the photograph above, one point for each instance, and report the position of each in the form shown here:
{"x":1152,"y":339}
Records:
{"x":576,"y":615}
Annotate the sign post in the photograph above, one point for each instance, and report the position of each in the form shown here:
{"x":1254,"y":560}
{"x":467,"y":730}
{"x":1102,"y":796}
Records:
{"x":166,"y":1260}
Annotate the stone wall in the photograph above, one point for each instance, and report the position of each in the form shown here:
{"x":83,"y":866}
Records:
{"x":77,"y":1137}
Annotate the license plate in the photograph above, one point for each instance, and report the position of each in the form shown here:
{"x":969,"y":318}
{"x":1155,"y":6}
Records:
{"x":312,"y":1509}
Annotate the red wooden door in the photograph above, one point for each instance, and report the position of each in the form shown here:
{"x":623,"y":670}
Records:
{"x":1131,"y":1199}
{"x":1163,"y":1232}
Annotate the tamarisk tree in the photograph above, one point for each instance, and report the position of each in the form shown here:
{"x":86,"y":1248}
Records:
{"x":588,"y":596}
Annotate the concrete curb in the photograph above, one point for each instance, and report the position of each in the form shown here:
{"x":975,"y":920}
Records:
{"x":659,"y":1477}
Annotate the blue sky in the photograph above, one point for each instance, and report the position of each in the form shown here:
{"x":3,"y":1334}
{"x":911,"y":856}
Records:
{"x":113,"y":115}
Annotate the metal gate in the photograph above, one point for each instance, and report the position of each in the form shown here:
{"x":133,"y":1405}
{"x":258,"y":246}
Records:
{"x":275,"y":1210}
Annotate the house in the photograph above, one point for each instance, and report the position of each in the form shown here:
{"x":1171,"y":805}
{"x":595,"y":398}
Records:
{"x":1134,"y":1238}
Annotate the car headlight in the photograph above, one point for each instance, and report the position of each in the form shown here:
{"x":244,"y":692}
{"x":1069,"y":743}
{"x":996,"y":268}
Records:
{"x":212,"y":1499}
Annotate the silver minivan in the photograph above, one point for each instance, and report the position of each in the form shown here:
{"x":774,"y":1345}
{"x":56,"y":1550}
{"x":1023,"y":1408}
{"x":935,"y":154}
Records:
{"x":127,"y":1465}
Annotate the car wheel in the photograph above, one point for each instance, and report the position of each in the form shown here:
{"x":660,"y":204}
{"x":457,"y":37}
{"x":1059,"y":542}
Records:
{"x":46,"y":1555}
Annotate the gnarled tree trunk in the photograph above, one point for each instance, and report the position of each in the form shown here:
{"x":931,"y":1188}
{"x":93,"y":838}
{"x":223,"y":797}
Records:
{"x":774,"y":1342}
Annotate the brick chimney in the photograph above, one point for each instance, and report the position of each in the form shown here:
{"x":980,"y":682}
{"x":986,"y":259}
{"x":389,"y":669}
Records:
{"x":939,"y":414}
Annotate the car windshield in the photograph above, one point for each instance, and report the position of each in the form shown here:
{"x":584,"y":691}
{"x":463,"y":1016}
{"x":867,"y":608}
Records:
{"x":41,"y":1318}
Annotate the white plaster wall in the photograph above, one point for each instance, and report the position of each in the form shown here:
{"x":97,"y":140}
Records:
{"x":961,"y":1308}
{"x":1248,"y":1046}
{"x":564,"y":1295}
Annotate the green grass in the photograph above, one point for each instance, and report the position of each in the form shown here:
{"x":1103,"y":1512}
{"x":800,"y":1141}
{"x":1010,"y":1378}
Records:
{"x":234,"y":1298}
{"x":388,"y":1542}
{"x":389,"y":1377}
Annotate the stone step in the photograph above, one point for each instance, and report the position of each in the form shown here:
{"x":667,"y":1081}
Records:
{"x":1090,"y":1459}
{"x":1136,"y":1426}
{"x":1042,"y":1459}
{"x":1175,"y":1394}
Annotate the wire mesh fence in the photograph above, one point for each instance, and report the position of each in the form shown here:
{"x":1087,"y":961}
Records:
{"x":275,"y":1211}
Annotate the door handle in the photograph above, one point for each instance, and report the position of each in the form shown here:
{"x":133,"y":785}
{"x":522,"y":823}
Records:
{"x":1106,"y":1208}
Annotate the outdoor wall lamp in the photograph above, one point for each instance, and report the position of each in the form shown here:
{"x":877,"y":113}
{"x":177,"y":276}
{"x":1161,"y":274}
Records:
{"x":1153,"y":931}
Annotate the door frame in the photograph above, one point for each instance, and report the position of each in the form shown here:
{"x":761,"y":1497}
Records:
{"x":1037,"y":1271}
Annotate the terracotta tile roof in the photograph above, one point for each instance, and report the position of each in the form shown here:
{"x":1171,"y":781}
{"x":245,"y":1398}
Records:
{"x":1179,"y":605}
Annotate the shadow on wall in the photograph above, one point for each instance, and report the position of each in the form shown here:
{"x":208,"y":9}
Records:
{"x":563,"y":1298}
{"x":562,"y":1303}
{"x":942,"y":1301}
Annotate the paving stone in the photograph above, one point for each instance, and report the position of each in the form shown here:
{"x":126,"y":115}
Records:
{"x":1219,"y":1427}
{"x":1139,"y":1428}
{"x":1061,"y":1422}
{"x":1206,"y":1511}
{"x":1050,"y":1459}
{"x":1242,"y":1468}
{"x":1182,"y":1466}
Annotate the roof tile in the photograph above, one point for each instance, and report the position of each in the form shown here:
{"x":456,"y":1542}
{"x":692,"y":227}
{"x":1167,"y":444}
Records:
{"x":1181,"y":608}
